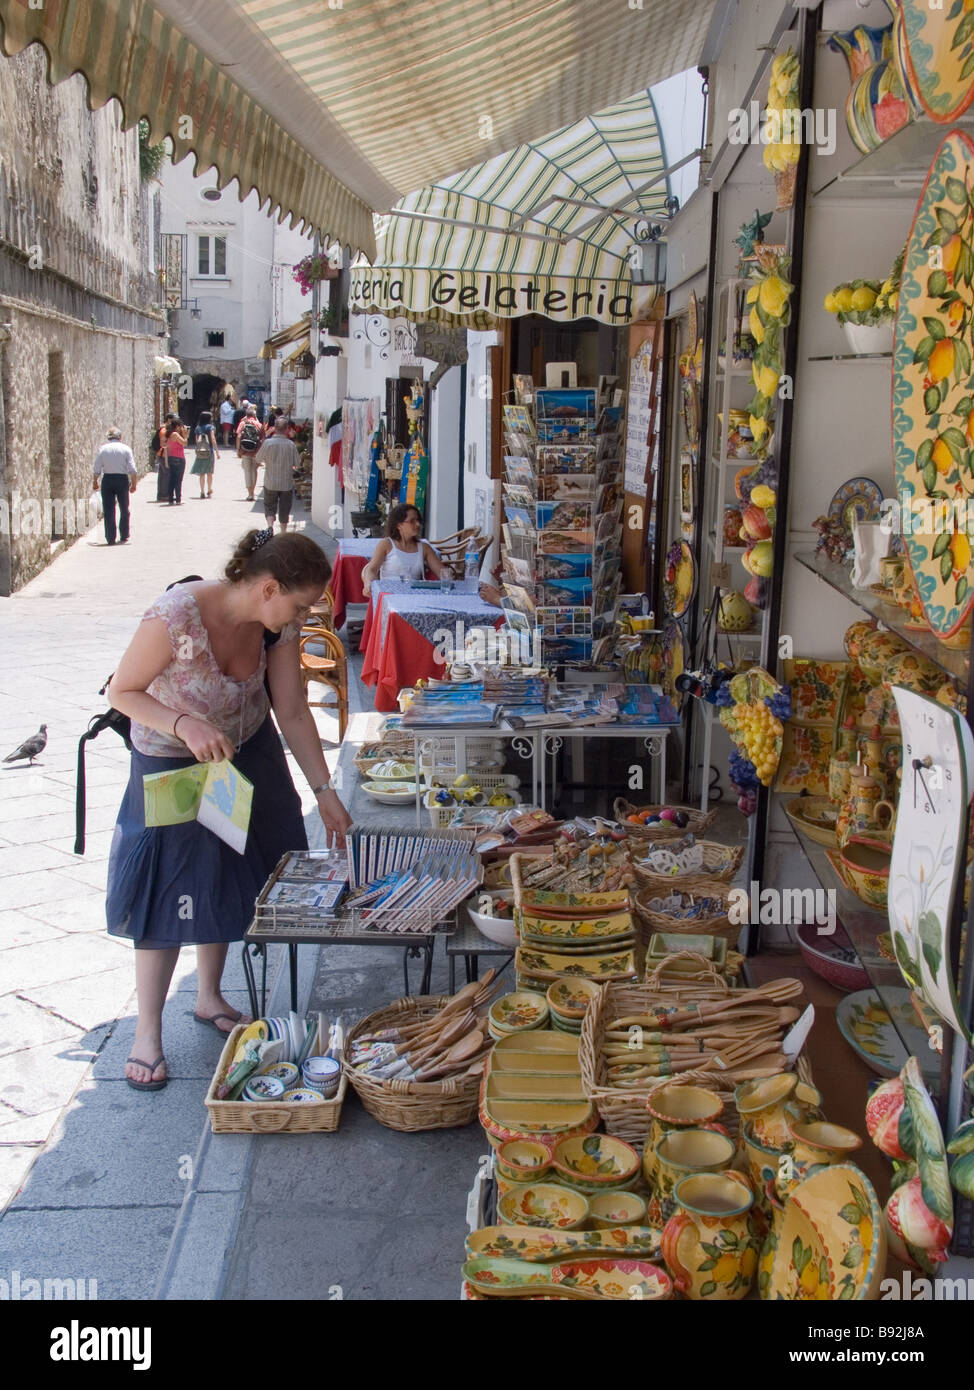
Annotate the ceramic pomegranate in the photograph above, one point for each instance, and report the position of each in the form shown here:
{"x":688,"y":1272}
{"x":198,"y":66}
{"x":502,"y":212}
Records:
{"x":754,"y":524}
{"x":732,"y":526}
{"x":912,"y":1222}
{"x":884,"y":1111}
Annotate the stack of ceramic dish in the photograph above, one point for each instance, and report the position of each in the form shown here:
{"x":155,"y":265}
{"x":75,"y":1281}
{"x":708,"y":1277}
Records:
{"x":523,"y":1012}
{"x":296,"y":1035}
{"x":567,"y":1001}
{"x":585,"y":935}
{"x":321,"y":1075}
{"x":533,"y":1090}
{"x":264,"y":1088}
{"x":595,"y":1163}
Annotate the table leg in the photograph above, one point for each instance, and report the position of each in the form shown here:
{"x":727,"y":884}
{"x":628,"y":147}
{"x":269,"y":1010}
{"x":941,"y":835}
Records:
{"x":292,"y":963}
{"x":453,"y":973}
{"x":428,"y":948}
{"x":470,"y":961}
{"x":249,"y":977}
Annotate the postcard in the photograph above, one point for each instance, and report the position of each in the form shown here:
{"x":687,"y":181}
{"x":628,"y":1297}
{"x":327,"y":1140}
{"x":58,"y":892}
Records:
{"x":565,"y":516}
{"x":564,"y":566}
{"x":566,"y":542}
{"x":565,"y":404}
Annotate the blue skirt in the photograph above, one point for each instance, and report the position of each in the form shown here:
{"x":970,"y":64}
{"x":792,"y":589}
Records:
{"x":180,"y":885}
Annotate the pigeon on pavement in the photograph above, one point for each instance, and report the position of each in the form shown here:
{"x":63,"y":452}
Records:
{"x":30,"y":748}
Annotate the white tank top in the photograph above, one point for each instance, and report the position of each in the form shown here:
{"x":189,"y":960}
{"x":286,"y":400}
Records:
{"x":400,"y":564}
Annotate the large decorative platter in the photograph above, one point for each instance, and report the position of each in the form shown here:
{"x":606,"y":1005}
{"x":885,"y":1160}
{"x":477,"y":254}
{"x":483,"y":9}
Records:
{"x":679,"y":579}
{"x":933,"y":388}
{"x":859,"y":499}
{"x":866,"y":1023}
{"x":674,"y":661}
{"x":939,"y":52}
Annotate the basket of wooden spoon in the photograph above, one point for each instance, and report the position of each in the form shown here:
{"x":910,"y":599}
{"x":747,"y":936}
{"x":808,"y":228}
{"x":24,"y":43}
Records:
{"x":417,"y":1063}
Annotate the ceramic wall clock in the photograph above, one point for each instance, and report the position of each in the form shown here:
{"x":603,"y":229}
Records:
{"x":939,"y":53}
{"x":928,"y":848}
{"x":933,"y":385}
{"x":679,"y":579}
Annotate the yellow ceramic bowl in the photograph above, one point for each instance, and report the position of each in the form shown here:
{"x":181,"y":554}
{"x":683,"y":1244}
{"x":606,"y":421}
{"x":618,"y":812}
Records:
{"x":831,"y":1242}
{"x":543,"y":1204}
{"x":597,"y":1160}
{"x":570,"y":998}
{"x":519,"y":1013}
{"x":866,"y":865}
{"x":523,"y":1160}
{"x":610,"y":1209}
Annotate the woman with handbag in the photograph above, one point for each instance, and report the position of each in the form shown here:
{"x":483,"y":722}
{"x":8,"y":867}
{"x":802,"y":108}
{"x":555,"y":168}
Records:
{"x":175,"y":448}
{"x":204,"y":442}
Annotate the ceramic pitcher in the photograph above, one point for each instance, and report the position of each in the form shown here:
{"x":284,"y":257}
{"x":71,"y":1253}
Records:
{"x":711,"y":1245}
{"x":680,"y":1154}
{"x":816,"y":1144}
{"x":768,"y":1107}
{"x":675,"y":1106}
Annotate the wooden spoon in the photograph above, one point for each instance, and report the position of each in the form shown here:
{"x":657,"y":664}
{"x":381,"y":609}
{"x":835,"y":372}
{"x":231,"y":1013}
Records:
{"x":461,"y":1051}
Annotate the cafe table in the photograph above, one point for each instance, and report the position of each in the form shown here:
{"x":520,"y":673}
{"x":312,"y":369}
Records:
{"x":406,"y":629}
{"x":346,"y":578}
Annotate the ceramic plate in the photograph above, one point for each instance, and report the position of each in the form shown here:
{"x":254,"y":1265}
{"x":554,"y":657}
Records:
{"x":679,"y":579}
{"x":514,"y":1012}
{"x":674,"y":661}
{"x":576,"y":929}
{"x":390,"y":793}
{"x":534,"y":1042}
{"x":512,"y":1086}
{"x":541,"y":1116}
{"x":619,"y":965}
{"x":867,"y":1027}
{"x":857,"y":500}
{"x":933,"y":384}
{"x":548,"y":1064}
{"x":806,"y":750}
{"x":831,"y":1240}
{"x":528,"y":1243}
{"x":598,"y":1279}
{"x":817,"y":688}
{"x":938,"y":49}
{"x":543,"y":1204}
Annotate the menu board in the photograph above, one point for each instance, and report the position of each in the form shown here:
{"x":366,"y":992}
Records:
{"x":640,"y":412}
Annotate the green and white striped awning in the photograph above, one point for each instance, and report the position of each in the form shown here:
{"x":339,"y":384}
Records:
{"x":334,"y":109}
{"x":546,"y":228}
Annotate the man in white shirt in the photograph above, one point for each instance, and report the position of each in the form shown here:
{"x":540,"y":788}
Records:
{"x":226,"y":420}
{"x":280,"y":457}
{"x":114,"y":469}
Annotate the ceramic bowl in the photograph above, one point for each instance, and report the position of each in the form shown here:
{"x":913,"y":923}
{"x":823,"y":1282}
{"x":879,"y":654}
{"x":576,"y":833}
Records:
{"x":674,"y":1104}
{"x":543,"y":1204}
{"x":597,"y":1161}
{"x":519,"y":1013}
{"x":833,"y":957}
{"x":568,"y":999}
{"x":610,"y":1209}
{"x":501,"y":930}
{"x":831,"y":1242}
{"x":516,"y":1128}
{"x":815,"y":817}
{"x":286,"y":1072}
{"x":263,"y":1088}
{"x":302,"y":1095}
{"x":523,"y":1160}
{"x":866,"y":865}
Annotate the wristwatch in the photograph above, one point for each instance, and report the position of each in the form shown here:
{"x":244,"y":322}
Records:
{"x":324,"y":787}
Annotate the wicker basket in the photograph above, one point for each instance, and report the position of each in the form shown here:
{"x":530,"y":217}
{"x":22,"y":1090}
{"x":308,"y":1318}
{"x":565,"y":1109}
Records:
{"x":713,"y":853}
{"x":269,"y":1116}
{"x":412,"y":1105}
{"x":390,"y":747}
{"x":697,"y":821}
{"x":719,"y":925}
{"x":440,"y":816}
{"x":624,"y":1111}
{"x":526,"y":897}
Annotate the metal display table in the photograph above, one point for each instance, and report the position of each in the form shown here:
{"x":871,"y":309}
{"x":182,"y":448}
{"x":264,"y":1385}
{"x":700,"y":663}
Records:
{"x":427,"y":743}
{"x":470,"y":942}
{"x":653,"y":737}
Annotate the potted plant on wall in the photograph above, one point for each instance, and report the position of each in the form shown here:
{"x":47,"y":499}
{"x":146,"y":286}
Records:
{"x":867,"y":310}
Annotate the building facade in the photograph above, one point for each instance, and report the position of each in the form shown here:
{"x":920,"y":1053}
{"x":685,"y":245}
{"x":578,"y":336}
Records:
{"x":79,"y":310}
{"x":229,"y":285}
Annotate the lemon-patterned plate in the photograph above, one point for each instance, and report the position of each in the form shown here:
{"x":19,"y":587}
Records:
{"x":881,"y":1031}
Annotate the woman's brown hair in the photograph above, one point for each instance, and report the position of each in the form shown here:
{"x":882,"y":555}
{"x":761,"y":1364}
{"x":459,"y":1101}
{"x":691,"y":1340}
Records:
{"x":397,"y":516}
{"x":292,"y":559}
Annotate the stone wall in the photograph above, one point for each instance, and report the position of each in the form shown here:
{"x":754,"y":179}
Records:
{"x":79,"y":304}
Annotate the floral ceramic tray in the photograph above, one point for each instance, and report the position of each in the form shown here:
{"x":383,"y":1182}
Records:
{"x":542,"y":964}
{"x":539,"y":1247}
{"x":595,"y":1279}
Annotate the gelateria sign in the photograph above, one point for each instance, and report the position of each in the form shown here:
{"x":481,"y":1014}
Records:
{"x":402,"y":290}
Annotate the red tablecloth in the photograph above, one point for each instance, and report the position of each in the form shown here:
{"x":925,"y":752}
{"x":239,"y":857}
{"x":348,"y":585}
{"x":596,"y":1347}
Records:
{"x":401,"y":660}
{"x":346,"y":584}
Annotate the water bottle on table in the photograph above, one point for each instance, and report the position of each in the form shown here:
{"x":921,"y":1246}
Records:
{"x":471,"y":567}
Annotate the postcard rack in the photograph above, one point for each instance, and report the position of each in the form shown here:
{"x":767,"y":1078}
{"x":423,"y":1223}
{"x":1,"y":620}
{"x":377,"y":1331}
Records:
{"x":562,"y":543}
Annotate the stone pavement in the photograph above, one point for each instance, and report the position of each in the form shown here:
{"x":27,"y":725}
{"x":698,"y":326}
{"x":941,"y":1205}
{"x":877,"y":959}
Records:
{"x":66,"y":988}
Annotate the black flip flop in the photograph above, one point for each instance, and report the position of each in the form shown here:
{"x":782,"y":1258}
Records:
{"x":147,"y":1085}
{"x":211,"y":1022}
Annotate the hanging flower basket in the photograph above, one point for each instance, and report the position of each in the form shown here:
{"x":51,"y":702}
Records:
{"x":312,"y":269}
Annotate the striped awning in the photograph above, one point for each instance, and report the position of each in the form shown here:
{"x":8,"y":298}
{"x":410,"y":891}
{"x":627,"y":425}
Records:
{"x":285,"y":336}
{"x":546,"y":228}
{"x":334,"y":110}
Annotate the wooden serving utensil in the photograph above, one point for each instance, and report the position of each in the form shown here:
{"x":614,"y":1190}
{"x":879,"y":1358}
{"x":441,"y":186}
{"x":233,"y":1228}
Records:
{"x":460,"y":1052}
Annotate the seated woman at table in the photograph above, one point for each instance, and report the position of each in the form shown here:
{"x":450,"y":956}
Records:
{"x":401,"y":554}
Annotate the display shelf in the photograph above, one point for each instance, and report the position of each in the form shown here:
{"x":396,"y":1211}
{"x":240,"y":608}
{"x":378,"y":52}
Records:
{"x":837,"y":576}
{"x":896,"y":168}
{"x":854,"y":357}
{"x":742,"y":371}
{"x":863,"y":926}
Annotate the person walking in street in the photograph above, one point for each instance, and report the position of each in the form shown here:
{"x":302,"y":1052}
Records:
{"x":280,"y":457}
{"x":226,"y":420}
{"x":115,"y":472}
{"x":238,"y":415}
{"x":202,"y":709}
{"x":250,"y":436}
{"x":207,"y":452}
{"x":174,"y":448}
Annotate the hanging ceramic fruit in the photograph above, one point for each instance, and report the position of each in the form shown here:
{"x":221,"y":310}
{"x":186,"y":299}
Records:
{"x":886,"y":1115}
{"x":759,"y":559}
{"x":732,"y":526}
{"x":734,"y":613}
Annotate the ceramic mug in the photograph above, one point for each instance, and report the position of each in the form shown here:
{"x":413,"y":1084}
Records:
{"x":892,"y":569}
{"x":768,"y":1106}
{"x":675,"y":1106}
{"x":682,"y":1153}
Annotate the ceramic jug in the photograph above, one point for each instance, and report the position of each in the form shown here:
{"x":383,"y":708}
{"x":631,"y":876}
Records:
{"x":711,"y":1245}
{"x":765,"y":1165}
{"x":768,"y":1106}
{"x":840,"y":770}
{"x":680,"y":1154}
{"x":674,"y":1106}
{"x":816,"y":1144}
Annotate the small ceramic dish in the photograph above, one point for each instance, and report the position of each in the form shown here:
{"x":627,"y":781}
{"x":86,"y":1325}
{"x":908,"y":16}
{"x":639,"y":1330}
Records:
{"x":320,"y":1069}
{"x":523,"y":1160}
{"x":533,"y":1063}
{"x":505,"y":1086}
{"x":607,"y":1210}
{"x":559,"y":931}
{"x":301,"y":1095}
{"x":831,"y":1239}
{"x":597,"y":1161}
{"x":543,"y":1204}
{"x":263,"y":1088}
{"x":519,"y":1013}
{"x":624,"y":1279}
{"x":539,"y":1041}
{"x":569,"y":999}
{"x":286,"y":1072}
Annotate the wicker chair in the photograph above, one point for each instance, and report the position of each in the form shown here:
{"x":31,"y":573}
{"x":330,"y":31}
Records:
{"x":323,"y":660}
{"x":323,"y":613}
{"x":455,"y":556}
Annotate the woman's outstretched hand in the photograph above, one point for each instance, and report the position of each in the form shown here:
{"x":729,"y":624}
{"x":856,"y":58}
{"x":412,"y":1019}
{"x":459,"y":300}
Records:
{"x":335,"y":818}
